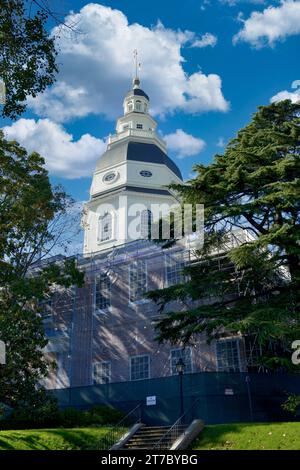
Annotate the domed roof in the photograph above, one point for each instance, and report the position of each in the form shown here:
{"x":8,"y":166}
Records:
{"x":120,"y":152}
{"x":137,"y":92}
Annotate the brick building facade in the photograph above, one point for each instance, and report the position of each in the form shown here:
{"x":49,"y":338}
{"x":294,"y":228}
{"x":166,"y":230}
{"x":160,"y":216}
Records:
{"x":104,"y":332}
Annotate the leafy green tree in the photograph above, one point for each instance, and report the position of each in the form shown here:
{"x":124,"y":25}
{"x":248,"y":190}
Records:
{"x":28,"y":207}
{"x":252,"y":288}
{"x":27,"y":52}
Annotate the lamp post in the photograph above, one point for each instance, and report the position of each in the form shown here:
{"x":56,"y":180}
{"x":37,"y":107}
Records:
{"x":180,"y":369}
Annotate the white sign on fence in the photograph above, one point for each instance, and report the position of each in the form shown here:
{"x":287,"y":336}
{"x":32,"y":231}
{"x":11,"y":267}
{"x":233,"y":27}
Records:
{"x":150,"y":401}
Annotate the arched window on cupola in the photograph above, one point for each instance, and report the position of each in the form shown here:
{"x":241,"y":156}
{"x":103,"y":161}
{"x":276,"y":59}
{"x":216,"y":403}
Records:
{"x":138,"y":105}
{"x":130,"y":106}
{"x":105,"y":227}
{"x":146,"y":222}
{"x":145,"y":107}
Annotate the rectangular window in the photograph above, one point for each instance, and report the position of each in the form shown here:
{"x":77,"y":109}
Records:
{"x":137,"y":280}
{"x":228,"y":355}
{"x":101,"y":372}
{"x":174,"y":267}
{"x":139,"y":126}
{"x":102,"y":292}
{"x":185,"y":355}
{"x":105,"y":227}
{"x":139,"y":367}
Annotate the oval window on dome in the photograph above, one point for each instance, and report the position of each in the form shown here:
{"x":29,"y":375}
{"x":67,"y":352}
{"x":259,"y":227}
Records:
{"x":146,"y":173}
{"x":109,"y":177}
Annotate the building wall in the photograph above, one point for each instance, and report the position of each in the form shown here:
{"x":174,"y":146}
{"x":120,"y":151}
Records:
{"x":125,"y":208}
{"x":85,"y":335}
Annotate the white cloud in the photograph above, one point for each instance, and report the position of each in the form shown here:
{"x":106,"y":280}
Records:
{"x":233,"y":3}
{"x":183,"y":144}
{"x":205,"y":4}
{"x":206,"y":39}
{"x":221,"y":142}
{"x":97,"y":63}
{"x":271,"y":25}
{"x":295,"y":84}
{"x":64,"y":156}
{"x":294,"y":96}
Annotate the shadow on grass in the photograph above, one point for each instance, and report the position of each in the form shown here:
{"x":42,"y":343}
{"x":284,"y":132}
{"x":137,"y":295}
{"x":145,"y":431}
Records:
{"x":52,"y":439}
{"x":4,"y":445}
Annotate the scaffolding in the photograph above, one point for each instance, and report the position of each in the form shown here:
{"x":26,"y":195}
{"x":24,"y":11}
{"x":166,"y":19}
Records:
{"x":81,"y":332}
{"x":74,"y":316}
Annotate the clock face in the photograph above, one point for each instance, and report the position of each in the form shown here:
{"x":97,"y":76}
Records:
{"x":146,"y":173}
{"x":110,"y":177}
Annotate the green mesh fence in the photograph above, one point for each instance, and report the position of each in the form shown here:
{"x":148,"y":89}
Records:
{"x":213,"y":397}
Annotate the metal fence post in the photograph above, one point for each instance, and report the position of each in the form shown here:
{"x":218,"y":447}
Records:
{"x":249,"y":396}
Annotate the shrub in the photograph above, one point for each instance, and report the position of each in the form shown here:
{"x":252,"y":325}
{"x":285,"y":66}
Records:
{"x":71,"y":417}
{"x":292,"y":404}
{"x":36,"y":415}
{"x":5,"y":411}
{"x":102,"y":414}
{"x":47,"y":415}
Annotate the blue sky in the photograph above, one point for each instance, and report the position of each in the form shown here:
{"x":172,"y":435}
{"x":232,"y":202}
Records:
{"x":263,"y":61}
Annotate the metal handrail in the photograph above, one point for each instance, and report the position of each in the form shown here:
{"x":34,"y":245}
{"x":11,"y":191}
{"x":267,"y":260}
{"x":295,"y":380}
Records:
{"x":114,"y":432}
{"x":175,"y":430}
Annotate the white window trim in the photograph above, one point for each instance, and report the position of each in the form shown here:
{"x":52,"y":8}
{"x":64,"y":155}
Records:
{"x":130,"y":367}
{"x":106,"y":222}
{"x":126,"y":126}
{"x":224,"y":340}
{"x":138,"y":103}
{"x":130,"y":104}
{"x":113,"y":180}
{"x":143,"y":300}
{"x":113,"y":229}
{"x":96,"y":309}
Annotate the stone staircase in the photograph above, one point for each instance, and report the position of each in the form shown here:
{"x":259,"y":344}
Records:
{"x":148,"y":436}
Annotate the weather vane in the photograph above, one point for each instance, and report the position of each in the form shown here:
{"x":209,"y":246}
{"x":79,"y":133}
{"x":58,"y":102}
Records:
{"x":136,"y":63}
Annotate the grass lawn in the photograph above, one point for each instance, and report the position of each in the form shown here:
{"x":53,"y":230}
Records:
{"x":52,"y":439}
{"x":262,"y":436}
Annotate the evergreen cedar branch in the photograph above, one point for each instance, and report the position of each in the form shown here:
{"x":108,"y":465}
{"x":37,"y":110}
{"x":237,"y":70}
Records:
{"x":255,"y":185}
{"x":28,"y":205}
